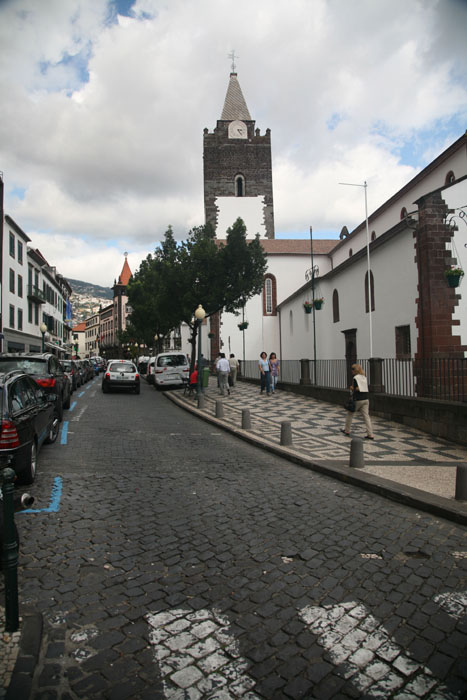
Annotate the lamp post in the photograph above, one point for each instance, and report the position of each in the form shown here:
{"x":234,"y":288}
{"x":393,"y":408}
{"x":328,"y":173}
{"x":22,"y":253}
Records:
{"x":156,"y":338}
{"x":200,"y":315}
{"x":43,"y":330}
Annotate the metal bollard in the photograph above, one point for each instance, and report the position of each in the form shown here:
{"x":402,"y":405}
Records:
{"x":10,"y":552}
{"x":356,"y":454}
{"x":461,"y":483}
{"x":200,"y":400}
{"x":286,"y":432}
{"x":219,"y":409}
{"x":246,"y":419}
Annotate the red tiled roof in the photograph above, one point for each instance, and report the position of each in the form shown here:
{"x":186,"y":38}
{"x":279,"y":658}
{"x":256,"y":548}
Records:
{"x":80,"y":327}
{"x":125,"y":274}
{"x":297,"y":246}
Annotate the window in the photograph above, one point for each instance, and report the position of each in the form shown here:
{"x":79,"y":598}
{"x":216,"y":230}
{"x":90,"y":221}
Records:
{"x":20,"y":252}
{"x":450,"y":177}
{"x":350,"y":252}
{"x":335,"y":306}
{"x":20,"y":319}
{"x":403,"y":350}
{"x":403,"y":213}
{"x":372,"y":292}
{"x":12,"y":281}
{"x":36,"y":314}
{"x":20,"y":286}
{"x":239,"y":186}
{"x":12,"y":316}
{"x":373,"y":235}
{"x":291,"y":322}
{"x":270,"y":296}
{"x":12,"y":245}
{"x":30,"y":312}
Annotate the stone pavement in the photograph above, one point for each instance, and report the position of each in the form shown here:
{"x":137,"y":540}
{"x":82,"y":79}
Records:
{"x":402,"y":463}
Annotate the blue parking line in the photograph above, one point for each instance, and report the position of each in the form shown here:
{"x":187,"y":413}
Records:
{"x":80,"y":395}
{"x":72,"y":405}
{"x":63,"y":439}
{"x":54,"y":504}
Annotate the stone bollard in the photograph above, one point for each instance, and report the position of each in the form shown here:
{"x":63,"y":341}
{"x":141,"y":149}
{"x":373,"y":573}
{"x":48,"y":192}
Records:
{"x":200,"y":400}
{"x":246,"y":419}
{"x":461,"y":483}
{"x":219,"y":409}
{"x":286,"y":432}
{"x":356,"y":454}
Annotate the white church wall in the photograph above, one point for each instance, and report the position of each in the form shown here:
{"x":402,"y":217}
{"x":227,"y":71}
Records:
{"x":395,"y":284}
{"x":456,"y":199}
{"x":250,"y":209}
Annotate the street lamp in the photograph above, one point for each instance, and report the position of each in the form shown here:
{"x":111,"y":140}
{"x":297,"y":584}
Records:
{"x":43,"y":330}
{"x":156,"y":338}
{"x":200,"y":315}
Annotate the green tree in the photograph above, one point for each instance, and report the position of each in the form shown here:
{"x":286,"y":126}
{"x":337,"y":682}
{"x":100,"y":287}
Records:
{"x":169,"y":285}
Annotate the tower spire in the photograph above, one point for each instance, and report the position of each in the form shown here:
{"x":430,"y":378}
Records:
{"x":234,"y":104}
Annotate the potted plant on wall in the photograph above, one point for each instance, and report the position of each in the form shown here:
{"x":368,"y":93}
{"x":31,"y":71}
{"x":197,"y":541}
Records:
{"x":211,"y":335}
{"x":318,"y":303}
{"x":454,"y":275}
{"x":243,"y":325}
{"x":308,"y":305}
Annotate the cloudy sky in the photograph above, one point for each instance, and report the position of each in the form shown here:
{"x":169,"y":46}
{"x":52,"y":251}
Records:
{"x":104,"y":103}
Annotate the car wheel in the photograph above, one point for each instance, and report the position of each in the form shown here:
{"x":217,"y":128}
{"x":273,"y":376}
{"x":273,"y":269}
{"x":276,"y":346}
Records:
{"x":104,"y":389}
{"x":28,"y":475}
{"x":54,"y":430}
{"x":137,"y":389}
{"x":59,"y":408}
{"x":66,"y":404}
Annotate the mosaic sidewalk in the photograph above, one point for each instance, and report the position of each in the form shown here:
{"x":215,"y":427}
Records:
{"x":398,"y":453}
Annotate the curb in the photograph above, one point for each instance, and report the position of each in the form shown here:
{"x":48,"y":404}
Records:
{"x":455,"y":511}
{"x":29,"y":647}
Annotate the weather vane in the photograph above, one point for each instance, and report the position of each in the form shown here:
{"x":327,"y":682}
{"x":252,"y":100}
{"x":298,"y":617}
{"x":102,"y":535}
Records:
{"x":232,"y":57}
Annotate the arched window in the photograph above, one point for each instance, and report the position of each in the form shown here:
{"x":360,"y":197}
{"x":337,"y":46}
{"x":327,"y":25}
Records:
{"x":239,"y":186}
{"x":270,"y":296}
{"x":291,"y":322}
{"x":403,"y":213}
{"x":335,"y":306}
{"x":373,"y":235}
{"x":372,"y":292}
{"x":450,"y":177}
{"x":350,"y":252}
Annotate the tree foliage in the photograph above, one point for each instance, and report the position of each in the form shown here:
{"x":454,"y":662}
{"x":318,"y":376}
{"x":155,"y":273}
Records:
{"x":170,"y":284}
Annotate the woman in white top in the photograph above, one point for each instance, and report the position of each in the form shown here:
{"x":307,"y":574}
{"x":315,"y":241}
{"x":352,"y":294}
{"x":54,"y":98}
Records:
{"x":360,"y":392}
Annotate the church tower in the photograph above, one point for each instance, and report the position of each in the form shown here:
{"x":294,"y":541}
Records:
{"x":238,"y":170}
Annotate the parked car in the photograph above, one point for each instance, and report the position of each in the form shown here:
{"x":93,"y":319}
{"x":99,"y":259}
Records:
{"x":29,"y":418}
{"x":121,"y":374}
{"x":81,"y":372}
{"x":170,"y":369}
{"x":88,"y":369}
{"x":71,"y":371}
{"x":47,"y":371}
{"x":150,"y":370}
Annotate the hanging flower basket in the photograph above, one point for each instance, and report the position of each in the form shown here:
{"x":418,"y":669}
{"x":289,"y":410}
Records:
{"x":318,"y":303}
{"x":243,"y":326}
{"x":454,"y":275}
{"x":308,"y":306}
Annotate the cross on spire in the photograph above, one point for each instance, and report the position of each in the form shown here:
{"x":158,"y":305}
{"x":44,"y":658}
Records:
{"x":232,"y":57}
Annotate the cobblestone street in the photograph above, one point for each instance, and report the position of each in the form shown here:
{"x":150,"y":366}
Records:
{"x":180,"y":562}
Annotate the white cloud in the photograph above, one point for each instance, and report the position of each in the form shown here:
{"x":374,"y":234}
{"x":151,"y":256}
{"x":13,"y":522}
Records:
{"x":102,"y":117}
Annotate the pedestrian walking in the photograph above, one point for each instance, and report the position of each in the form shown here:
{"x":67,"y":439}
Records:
{"x":275,"y":371}
{"x":223,"y":371}
{"x":234,"y":364}
{"x":265,"y":373}
{"x":359,"y":390}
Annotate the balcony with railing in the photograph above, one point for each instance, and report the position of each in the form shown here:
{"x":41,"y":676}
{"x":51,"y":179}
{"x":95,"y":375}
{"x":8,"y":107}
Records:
{"x":36,"y":294}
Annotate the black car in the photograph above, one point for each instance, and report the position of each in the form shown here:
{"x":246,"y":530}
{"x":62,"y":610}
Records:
{"x":47,"y":371}
{"x":28,"y":418}
{"x":72,"y":372}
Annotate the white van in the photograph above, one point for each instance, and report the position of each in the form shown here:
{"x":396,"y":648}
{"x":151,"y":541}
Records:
{"x":150,"y":370}
{"x":171,"y":369}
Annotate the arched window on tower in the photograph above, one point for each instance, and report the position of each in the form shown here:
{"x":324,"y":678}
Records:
{"x":239,"y":186}
{"x":335,"y":306}
{"x":270,"y":296}
{"x":450,"y":177}
{"x":372,"y":292}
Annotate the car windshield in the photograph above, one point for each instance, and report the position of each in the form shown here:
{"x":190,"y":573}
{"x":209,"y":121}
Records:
{"x":171,"y":361}
{"x":67,"y":364}
{"x":126,"y":367}
{"x":29,"y":365}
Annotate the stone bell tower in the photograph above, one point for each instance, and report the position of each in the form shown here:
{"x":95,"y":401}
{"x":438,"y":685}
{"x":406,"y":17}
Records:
{"x":238,"y":169}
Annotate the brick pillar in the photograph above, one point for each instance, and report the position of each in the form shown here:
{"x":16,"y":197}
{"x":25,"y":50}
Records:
{"x":436,"y":300}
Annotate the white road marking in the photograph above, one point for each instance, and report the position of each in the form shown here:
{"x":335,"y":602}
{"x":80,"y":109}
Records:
{"x":455,"y":603}
{"x":372,"y":660}
{"x":198,"y":656}
{"x":78,"y":415}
